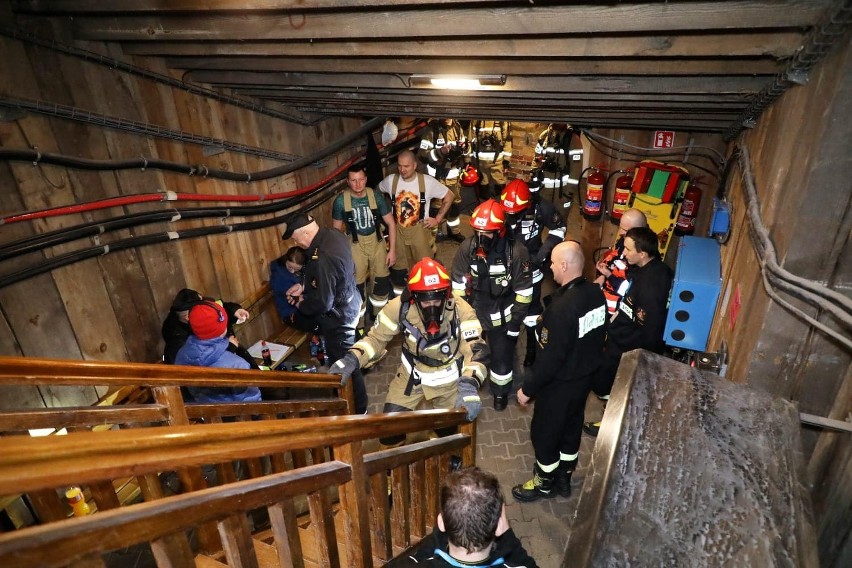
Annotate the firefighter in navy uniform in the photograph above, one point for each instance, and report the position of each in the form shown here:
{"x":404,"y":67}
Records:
{"x":444,"y":149}
{"x":527,"y":215}
{"x":491,"y":150}
{"x":328,"y":299}
{"x":571,"y":335}
{"x":444,"y":357}
{"x":612,"y":267}
{"x":640,"y":320}
{"x":494,"y":272}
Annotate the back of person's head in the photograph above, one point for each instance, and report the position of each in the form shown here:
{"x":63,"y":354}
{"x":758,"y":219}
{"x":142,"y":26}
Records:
{"x":208,"y":320}
{"x":185,"y":299}
{"x":295,"y":255}
{"x":471,"y":505}
{"x":645,"y":240}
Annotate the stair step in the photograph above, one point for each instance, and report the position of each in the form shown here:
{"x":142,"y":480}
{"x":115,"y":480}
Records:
{"x":203,"y":561}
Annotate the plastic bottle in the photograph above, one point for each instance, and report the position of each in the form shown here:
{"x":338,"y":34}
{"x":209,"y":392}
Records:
{"x":321,"y":351}
{"x":315,"y":346}
{"x":75,"y":498}
{"x":264,"y":352}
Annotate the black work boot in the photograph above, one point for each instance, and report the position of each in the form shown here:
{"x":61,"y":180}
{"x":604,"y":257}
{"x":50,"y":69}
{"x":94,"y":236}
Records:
{"x":539,"y":487}
{"x":457,"y":237}
{"x":562,"y":479}
{"x":501,"y":402}
{"x":592,"y":428}
{"x":529,"y":358}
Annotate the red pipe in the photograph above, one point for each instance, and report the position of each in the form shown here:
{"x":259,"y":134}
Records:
{"x":165,"y":196}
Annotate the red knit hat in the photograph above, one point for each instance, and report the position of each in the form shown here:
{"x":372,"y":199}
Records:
{"x":208,"y":320}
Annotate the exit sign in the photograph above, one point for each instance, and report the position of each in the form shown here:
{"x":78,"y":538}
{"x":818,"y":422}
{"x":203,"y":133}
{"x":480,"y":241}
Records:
{"x":664,"y":138}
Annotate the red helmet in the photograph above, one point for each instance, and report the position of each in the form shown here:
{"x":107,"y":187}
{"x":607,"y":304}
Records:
{"x":516,"y":196}
{"x":488,"y":216}
{"x":470,"y":176}
{"x":429,"y":285}
{"x":427,"y":275}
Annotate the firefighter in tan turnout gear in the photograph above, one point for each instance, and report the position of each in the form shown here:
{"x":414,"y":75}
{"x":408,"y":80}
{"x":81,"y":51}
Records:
{"x":444,"y":149}
{"x":444,"y":357}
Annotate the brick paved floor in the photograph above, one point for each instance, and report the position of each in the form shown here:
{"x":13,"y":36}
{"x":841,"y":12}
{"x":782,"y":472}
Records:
{"x":504,"y":448}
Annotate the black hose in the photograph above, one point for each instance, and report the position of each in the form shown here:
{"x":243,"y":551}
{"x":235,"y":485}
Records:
{"x":133,"y":242}
{"x":41,"y":241}
{"x":37,"y":157}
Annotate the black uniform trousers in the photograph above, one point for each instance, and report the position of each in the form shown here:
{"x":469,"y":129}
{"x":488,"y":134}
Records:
{"x":502,"y":347}
{"x":339,"y":337}
{"x":605,"y":376}
{"x":557,"y":422}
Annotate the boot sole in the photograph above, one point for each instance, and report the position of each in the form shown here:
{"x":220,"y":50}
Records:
{"x":534,"y":497}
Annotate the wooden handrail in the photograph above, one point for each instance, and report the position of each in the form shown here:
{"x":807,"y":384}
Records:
{"x":28,"y":371}
{"x":41,"y":464}
{"x":61,"y":543}
{"x":128,"y":414}
{"x":27,"y":464}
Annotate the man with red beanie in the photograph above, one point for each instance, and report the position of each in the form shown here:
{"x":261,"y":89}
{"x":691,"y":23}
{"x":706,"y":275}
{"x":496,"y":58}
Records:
{"x":208,"y":347}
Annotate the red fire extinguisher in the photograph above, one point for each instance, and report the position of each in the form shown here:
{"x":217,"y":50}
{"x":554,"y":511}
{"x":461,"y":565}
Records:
{"x":689,"y":210}
{"x":593,"y":204}
{"x":621,"y":196}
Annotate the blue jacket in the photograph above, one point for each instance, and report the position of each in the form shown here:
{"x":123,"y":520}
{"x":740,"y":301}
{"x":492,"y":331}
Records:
{"x":280,"y":280}
{"x":214,"y":353}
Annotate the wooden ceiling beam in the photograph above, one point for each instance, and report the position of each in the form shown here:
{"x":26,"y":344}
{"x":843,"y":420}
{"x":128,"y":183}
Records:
{"x":778,"y":45}
{"x":555,"y":115}
{"x":644,"y":67}
{"x":590,"y":84}
{"x":527,"y":20}
{"x":158,"y":6}
{"x":682,"y":107}
{"x":403,"y":95}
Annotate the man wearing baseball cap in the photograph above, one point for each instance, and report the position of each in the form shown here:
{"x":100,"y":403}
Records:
{"x":208,"y":347}
{"x":328,"y":299}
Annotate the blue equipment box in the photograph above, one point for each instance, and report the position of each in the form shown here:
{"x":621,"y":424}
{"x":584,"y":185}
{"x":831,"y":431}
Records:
{"x":695,"y":292}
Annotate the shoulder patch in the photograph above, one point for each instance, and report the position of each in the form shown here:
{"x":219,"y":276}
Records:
{"x":542,"y":338}
{"x":314,"y":283}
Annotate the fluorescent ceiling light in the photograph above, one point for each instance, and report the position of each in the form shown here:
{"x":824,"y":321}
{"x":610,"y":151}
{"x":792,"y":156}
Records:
{"x":459,"y":82}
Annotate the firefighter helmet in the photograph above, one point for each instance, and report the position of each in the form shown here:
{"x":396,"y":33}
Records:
{"x":515,"y":197}
{"x":470,"y":176}
{"x":427,"y":275}
{"x":488,"y":216}
{"x":429,"y":285}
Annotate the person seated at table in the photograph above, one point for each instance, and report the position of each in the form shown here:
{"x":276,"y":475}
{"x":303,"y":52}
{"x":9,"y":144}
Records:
{"x":208,"y":347}
{"x":284,"y":272}
{"x":176,"y":328}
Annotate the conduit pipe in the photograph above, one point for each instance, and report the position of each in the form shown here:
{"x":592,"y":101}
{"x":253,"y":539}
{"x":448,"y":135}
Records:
{"x":173,"y":196}
{"x":139,"y":241}
{"x":117,"y":65}
{"x":35,"y":243}
{"x":815,"y":294}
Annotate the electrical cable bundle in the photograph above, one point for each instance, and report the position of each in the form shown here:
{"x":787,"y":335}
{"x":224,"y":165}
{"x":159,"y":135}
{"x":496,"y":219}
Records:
{"x":280,"y":205}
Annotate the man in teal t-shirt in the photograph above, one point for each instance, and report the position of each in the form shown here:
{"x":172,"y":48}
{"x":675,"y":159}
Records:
{"x":359,"y":212}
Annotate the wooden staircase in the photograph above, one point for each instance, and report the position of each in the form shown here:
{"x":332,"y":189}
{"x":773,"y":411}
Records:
{"x":303,"y":466}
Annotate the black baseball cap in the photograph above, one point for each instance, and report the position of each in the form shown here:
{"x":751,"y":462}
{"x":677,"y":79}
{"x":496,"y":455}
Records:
{"x":296,"y":222}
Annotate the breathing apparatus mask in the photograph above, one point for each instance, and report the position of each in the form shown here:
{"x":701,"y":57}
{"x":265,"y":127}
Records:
{"x":430,"y":306}
{"x":483,"y":241}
